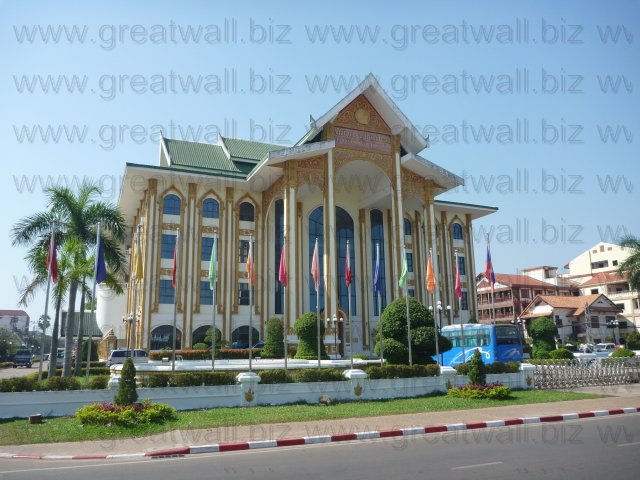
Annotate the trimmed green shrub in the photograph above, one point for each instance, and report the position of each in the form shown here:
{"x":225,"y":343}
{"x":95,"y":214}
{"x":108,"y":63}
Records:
{"x":208,"y":338}
{"x":492,"y":391}
{"x":543,"y":331}
{"x":540,"y":351}
{"x":127,"y":394}
{"x":219,"y":378}
{"x":306,"y":328}
{"x":274,"y":342}
{"x":623,"y":352}
{"x":18,"y":384}
{"x":393,"y":329}
{"x":477,"y":373}
{"x":361,"y":356}
{"x":275,"y":376}
{"x":99,"y":382}
{"x":62,"y":383}
{"x":201,"y":346}
{"x":632,"y":341}
{"x":125,"y":415}
{"x":318,"y":375}
{"x":500,"y":367}
{"x":222,"y":354}
{"x":561,"y":353}
{"x":402,"y":371}
{"x":156,"y":380}
{"x":85,"y":351}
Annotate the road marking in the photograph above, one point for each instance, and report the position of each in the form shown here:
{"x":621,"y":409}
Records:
{"x":476,"y":465}
{"x":628,"y":444}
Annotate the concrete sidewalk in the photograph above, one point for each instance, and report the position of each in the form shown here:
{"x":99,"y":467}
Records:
{"x":620,"y":397}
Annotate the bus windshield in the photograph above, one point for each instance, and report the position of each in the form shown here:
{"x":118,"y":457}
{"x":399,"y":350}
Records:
{"x":472,"y":338}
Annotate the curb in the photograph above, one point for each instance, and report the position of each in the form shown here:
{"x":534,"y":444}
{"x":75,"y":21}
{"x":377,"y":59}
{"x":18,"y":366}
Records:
{"x":346,"y":437}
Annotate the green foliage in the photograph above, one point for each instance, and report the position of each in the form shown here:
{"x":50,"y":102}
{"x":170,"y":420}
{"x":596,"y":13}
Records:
{"x":493,"y":392}
{"x":18,"y":384}
{"x":274,"y":342}
{"x":222,"y":354}
{"x":543,"y":331}
{"x":62,"y":383}
{"x":361,"y":356}
{"x":209,"y":337}
{"x":201,"y":346}
{"x":127,"y":394}
{"x":99,"y":382}
{"x":402,"y":371}
{"x":623,"y":352}
{"x":393,"y":329}
{"x":318,"y":375}
{"x":125,"y":415}
{"x":306,"y":328}
{"x":188,"y":379}
{"x":85,"y":351}
{"x":477,"y":372}
{"x":561,"y":353}
{"x":275,"y":376}
{"x":490,"y":368}
{"x":632,"y":340}
{"x":631,"y":265}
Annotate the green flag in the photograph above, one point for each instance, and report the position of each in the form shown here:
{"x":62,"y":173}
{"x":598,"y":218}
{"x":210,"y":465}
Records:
{"x":405,"y":270}
{"x":212,"y":264}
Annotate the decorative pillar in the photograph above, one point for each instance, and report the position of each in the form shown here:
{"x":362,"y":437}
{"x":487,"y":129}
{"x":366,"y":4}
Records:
{"x":330,"y":250}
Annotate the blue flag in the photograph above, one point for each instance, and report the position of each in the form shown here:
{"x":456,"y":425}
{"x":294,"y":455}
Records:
{"x":101,"y":269}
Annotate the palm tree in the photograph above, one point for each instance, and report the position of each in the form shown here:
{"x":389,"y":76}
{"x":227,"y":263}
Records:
{"x":631,"y":266}
{"x":76,"y":216}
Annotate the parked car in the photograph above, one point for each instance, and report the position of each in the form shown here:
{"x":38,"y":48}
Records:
{"x":22,"y":358}
{"x":604,"y":349}
{"x":241,"y":345}
{"x":121,"y":354}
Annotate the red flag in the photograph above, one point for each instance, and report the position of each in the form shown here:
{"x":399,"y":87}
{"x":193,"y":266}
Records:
{"x":488,"y":271}
{"x":315,"y":267}
{"x":282,"y":271}
{"x":250,"y":270}
{"x":175,"y":264}
{"x":458,"y":287}
{"x":52,"y":261}
{"x":348,"y":276}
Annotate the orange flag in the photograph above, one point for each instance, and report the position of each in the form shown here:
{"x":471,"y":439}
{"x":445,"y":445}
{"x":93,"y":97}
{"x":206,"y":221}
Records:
{"x":431,"y":278}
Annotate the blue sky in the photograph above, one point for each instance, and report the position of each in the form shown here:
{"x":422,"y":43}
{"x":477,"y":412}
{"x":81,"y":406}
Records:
{"x":533,"y":103}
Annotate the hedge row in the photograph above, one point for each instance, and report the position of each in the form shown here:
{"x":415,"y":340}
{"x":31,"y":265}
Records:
{"x":29,"y":383}
{"x":222,"y":354}
{"x":491,"y":368}
{"x":402,"y":371}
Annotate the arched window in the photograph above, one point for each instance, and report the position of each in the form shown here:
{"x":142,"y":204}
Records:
{"x":377,"y":239}
{"x":246,"y":212}
{"x":279,"y":240}
{"x":316,"y":230}
{"x":344,"y":232}
{"x":210,"y":208}
{"x":162,"y":337}
{"x":171,"y":205}
{"x":457,"y":232}
{"x":407,"y":226}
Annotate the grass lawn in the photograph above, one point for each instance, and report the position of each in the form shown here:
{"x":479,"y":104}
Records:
{"x":68,"y":429}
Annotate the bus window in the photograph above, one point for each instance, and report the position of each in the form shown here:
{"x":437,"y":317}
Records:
{"x":507,"y":335}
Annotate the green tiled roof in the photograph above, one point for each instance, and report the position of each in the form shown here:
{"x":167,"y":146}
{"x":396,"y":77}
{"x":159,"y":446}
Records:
{"x":244,"y":155}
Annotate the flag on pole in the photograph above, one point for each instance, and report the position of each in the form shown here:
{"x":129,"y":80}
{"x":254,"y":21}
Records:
{"x":348,"y":276}
{"x":101,"y":269}
{"x":250,"y":267}
{"x":315,"y":268}
{"x":52,"y":261}
{"x":458,"y":287}
{"x":431,"y":278}
{"x":405,"y":270}
{"x":175,"y":264}
{"x":282,"y":270}
{"x":488,"y":272}
{"x":139,"y":264}
{"x":212,"y":264}
{"x":376,"y":275}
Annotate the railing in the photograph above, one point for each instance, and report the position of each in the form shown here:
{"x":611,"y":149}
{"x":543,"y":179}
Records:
{"x":609,"y":371}
{"x":623,"y":295}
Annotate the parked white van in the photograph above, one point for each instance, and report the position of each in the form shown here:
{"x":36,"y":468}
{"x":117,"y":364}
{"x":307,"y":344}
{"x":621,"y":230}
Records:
{"x":121,"y":354}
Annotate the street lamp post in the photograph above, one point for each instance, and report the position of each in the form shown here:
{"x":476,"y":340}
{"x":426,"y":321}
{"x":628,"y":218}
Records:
{"x":333,"y":323}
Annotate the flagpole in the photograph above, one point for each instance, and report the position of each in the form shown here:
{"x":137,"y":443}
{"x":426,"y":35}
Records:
{"x":250,"y":275}
{"x":46,"y":303}
{"x":436,"y":313}
{"x":376,"y":287}
{"x":214,"y":301}
{"x":285,"y":323}
{"x":406,"y":298}
{"x":135,"y":289}
{"x":349,"y":312}
{"x":464,"y":355}
{"x":175,"y":302}
{"x":93,"y":306}
{"x":317,"y":285}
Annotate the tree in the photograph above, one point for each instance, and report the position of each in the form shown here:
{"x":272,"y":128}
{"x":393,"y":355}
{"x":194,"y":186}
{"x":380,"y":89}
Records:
{"x":543,"y":331}
{"x":393,"y":329}
{"x":477,"y":371}
{"x":75,"y":216}
{"x":274,"y":342}
{"x":632,"y":341}
{"x":127,"y":394}
{"x":631,"y":265}
{"x":306,"y":328}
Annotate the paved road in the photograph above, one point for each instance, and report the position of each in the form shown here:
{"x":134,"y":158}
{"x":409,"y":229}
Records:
{"x":598,"y":448}
{"x":22,"y":371}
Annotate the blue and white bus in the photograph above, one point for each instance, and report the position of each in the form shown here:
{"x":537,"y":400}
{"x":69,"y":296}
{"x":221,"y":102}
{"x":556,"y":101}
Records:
{"x":496,"y":343}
